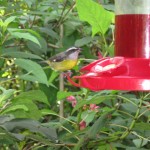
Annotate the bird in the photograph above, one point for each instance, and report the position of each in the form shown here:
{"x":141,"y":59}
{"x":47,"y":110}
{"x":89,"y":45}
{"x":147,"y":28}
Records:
{"x":65,"y":60}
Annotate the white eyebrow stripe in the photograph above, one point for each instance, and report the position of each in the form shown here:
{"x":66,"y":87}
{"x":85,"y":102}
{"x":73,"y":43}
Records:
{"x":71,"y":48}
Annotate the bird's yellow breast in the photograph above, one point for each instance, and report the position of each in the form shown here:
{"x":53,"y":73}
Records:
{"x":63,"y":65}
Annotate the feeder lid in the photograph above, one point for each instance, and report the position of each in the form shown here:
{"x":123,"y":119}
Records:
{"x":118,"y":73}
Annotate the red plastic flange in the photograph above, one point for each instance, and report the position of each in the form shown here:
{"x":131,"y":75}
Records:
{"x":118,"y":73}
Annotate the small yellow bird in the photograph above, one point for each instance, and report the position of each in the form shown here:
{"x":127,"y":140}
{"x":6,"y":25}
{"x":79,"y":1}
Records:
{"x":65,"y":60}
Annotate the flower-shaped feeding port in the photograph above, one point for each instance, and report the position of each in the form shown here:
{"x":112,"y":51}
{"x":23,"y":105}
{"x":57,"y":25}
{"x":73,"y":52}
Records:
{"x":118,"y":73}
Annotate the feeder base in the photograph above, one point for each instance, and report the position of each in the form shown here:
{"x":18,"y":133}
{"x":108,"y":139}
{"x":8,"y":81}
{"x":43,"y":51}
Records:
{"x":118,"y":73}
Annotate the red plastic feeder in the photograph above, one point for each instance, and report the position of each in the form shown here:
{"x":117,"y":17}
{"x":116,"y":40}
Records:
{"x":130,"y":69}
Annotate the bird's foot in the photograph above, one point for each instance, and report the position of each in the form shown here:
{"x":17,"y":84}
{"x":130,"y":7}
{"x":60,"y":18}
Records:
{"x":68,"y":73}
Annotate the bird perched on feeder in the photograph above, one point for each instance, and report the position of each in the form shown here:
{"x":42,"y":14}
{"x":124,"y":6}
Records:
{"x":65,"y":60}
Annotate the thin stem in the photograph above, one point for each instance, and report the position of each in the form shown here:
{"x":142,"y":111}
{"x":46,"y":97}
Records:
{"x":104,"y":39}
{"x":111,"y":44}
{"x":31,"y":25}
{"x":84,"y":59}
{"x":117,"y":125}
{"x":71,"y":8}
{"x":69,"y":145}
{"x":65,"y":119}
{"x":127,"y":132}
{"x":61,"y":77}
{"x":62,"y":13}
{"x":61,"y":88}
{"x":5,"y":38}
{"x":143,"y":113}
{"x":4,"y":106}
{"x":146,"y":96}
{"x":125,"y":113}
{"x":85,"y":117}
{"x":147,"y":106}
{"x":139,"y":136}
{"x":103,"y":132}
{"x":61,"y":34}
{"x":126,"y":99}
{"x":61,"y":20}
{"x":52,"y":45}
{"x":37,"y":145}
{"x":33,"y":21}
{"x":70,"y":132}
{"x":111,"y":148}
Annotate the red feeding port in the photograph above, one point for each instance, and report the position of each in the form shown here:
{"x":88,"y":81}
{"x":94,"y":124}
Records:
{"x":130,"y":68}
{"x":118,"y":73}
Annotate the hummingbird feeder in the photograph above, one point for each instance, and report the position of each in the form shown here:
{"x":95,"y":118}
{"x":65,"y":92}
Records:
{"x":130,"y":68}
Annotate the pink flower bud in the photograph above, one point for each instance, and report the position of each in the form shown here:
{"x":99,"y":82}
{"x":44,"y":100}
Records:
{"x":94,"y":107}
{"x":71,"y":98}
{"x":74,"y":103}
{"x":82,"y":125}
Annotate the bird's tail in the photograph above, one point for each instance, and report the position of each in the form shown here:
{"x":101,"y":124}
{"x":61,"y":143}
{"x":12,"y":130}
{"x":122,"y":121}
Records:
{"x":44,"y":62}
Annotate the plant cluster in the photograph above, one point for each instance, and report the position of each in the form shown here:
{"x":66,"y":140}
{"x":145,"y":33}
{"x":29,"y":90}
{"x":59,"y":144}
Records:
{"x":31,"y":93}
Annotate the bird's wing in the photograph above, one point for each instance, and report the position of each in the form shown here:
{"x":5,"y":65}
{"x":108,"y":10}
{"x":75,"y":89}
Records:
{"x":58,"y":58}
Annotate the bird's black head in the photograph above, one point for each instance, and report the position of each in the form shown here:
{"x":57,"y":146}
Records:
{"x":72,"y":53}
{"x":72,"y":50}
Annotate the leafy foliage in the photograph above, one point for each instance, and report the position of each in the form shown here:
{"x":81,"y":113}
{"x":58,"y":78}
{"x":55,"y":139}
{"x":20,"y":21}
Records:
{"x":32,"y":68}
{"x":99,"y":18}
{"x":32,"y":31}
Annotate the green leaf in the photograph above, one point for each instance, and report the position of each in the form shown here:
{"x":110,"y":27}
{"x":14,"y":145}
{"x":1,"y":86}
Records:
{"x":106,"y":147}
{"x":63,"y":94}
{"x":23,"y":34}
{"x":6,"y":137}
{"x":29,"y":3}
{"x":71,"y":25}
{"x":50,"y":32}
{"x":5,"y":118}
{"x":94,"y":130}
{"x":35,"y":48}
{"x":34,"y":95}
{"x":9,"y":20}
{"x":29,"y":102}
{"x":142,"y":126}
{"x":35,"y":71}
{"x":129,"y":108}
{"x":98,"y":125}
{"x":33,"y":111}
{"x":6,"y":23}
{"x":83,"y":41}
{"x":42,"y":140}
{"x":54,"y":75}
{"x":1,"y":23}
{"x":16,"y":54}
{"x":88,"y":116}
{"x":25,"y":31}
{"x":32,"y":125}
{"x":48,"y":112}
{"x":6,"y":94}
{"x":92,"y":12}
{"x":93,"y":100}
{"x":140,"y":142}
{"x":13,"y":108}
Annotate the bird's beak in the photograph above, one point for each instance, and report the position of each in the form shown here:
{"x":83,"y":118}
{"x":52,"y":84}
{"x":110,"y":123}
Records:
{"x":80,"y":49}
